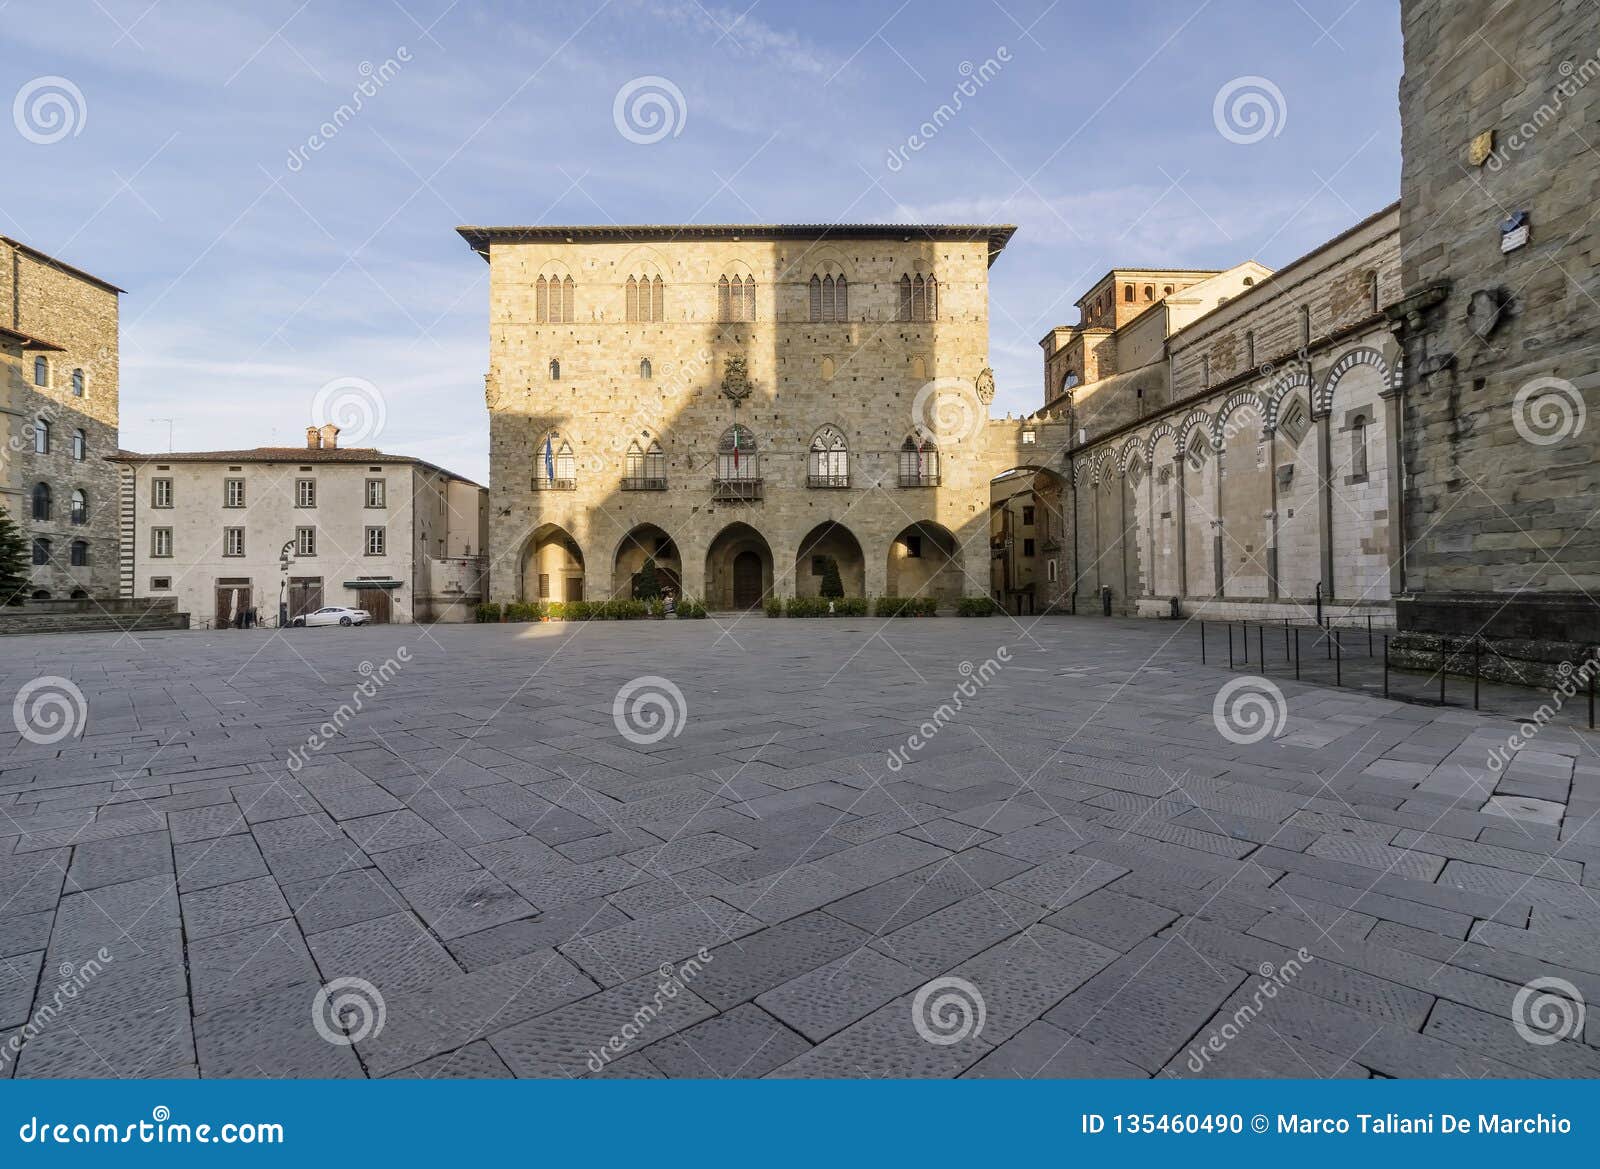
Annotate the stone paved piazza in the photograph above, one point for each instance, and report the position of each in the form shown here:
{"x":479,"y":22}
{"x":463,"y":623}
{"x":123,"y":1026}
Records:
{"x":491,"y":869}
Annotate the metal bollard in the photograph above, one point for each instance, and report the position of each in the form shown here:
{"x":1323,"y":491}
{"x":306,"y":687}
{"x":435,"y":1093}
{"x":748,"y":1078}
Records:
{"x":1386,"y":665}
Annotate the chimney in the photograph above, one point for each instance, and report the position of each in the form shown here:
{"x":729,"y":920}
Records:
{"x":330,"y":436}
{"x":313,"y":438}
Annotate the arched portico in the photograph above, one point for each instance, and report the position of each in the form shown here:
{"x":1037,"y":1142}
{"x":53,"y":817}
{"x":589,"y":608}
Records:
{"x":646,"y":542}
{"x":739,"y":568}
{"x":830,"y":539}
{"x":925,"y":561}
{"x":552,"y":566}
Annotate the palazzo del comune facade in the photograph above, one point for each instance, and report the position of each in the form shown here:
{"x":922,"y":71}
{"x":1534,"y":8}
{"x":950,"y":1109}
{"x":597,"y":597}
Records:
{"x":742,"y":402}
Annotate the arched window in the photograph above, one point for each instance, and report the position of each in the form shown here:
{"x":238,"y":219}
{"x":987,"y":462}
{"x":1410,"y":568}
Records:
{"x":41,"y":437}
{"x":41,"y":372}
{"x":555,"y":466}
{"x":919,"y":462}
{"x":919,"y":298}
{"x":645,"y":298}
{"x":1069,"y":381}
{"x":41,"y":501}
{"x":80,"y":506}
{"x":1127,"y":293}
{"x":645,"y":469}
{"x":1358,"y":447}
{"x":829,"y":464}
{"x":736,"y":298}
{"x":555,"y":370}
{"x":553,"y":300}
{"x":1149,"y":291}
{"x":646,"y":371}
{"x":80,"y":553}
{"x":77,"y":383}
{"x":80,"y":445}
{"x":737,"y":457}
{"x":829,"y":298}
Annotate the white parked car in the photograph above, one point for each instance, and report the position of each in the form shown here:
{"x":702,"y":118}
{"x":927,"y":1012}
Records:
{"x":332,"y":615}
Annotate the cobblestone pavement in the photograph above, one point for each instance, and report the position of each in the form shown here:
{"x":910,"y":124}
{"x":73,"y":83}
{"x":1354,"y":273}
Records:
{"x":789,"y":848}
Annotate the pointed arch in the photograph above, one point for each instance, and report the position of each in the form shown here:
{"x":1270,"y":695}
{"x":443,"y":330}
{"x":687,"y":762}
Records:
{"x":830,"y":540}
{"x":552,"y":565}
{"x":904,"y":302}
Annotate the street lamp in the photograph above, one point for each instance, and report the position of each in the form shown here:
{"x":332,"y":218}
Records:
{"x":285,"y":559}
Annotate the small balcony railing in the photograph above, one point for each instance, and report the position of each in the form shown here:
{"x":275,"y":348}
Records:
{"x":540,"y":483}
{"x":644,"y":483}
{"x":736,"y":490}
{"x":924,"y":480}
{"x":828,"y":481}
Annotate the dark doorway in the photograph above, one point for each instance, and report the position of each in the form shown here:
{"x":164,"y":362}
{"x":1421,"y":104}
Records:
{"x":746,"y":580}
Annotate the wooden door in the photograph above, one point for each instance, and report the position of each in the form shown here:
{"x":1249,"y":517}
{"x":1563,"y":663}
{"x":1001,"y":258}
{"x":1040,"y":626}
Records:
{"x":305,"y":595}
{"x":376,"y":603}
{"x":231,"y":601}
{"x":746,"y":580}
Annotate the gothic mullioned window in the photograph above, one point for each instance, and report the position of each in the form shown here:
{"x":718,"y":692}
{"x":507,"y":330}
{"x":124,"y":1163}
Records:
{"x":829,"y":298}
{"x":555,"y":467}
{"x":736,"y":298}
{"x":645,"y":298}
{"x":645,"y":468}
{"x":919,"y":462}
{"x":919,"y":298}
{"x":829,"y":462}
{"x":553,"y":300}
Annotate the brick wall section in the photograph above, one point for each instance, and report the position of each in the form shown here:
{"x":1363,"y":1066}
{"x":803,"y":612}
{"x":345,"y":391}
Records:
{"x":1489,"y":511}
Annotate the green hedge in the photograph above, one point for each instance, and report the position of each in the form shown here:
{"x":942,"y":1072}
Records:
{"x":818,"y":607}
{"x":691,"y":608}
{"x":977,"y":607}
{"x":772,"y":606}
{"x":487,"y":612}
{"x":905,"y":607}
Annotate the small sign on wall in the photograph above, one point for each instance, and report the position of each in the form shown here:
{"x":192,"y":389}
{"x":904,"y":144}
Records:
{"x":1514,"y":232}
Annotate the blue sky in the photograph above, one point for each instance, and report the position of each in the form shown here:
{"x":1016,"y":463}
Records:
{"x":253,"y":281}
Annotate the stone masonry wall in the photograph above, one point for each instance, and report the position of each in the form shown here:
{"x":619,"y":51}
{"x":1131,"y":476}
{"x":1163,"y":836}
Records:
{"x":1500,"y":111}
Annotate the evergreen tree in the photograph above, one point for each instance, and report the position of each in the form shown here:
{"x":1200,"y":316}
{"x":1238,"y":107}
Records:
{"x":15,"y":561}
{"x":832,"y":586}
{"x":648,"y":587}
